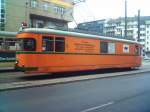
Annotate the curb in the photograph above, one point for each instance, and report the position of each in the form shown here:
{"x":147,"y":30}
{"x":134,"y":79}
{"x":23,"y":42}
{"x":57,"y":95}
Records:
{"x":29,"y":84}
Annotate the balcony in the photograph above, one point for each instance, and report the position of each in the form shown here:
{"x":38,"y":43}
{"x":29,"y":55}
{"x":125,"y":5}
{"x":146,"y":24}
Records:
{"x":55,"y":9}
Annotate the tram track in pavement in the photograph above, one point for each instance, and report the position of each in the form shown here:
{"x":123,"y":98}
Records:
{"x":16,"y":76}
{"x":11,"y":75}
{"x":7,"y":70}
{"x":16,"y":80}
{"x":7,"y":77}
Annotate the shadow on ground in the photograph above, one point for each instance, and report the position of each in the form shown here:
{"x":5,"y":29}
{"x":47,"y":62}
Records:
{"x":72,"y":74}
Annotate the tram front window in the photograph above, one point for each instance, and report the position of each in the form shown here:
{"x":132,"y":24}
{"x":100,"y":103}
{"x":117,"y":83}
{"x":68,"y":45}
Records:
{"x":27,"y":44}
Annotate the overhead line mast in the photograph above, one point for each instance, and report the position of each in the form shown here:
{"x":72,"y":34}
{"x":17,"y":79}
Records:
{"x":125,"y":31}
{"x":138,"y":39}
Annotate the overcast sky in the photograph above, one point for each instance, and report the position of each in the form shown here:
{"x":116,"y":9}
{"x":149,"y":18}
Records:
{"x":104,"y":9}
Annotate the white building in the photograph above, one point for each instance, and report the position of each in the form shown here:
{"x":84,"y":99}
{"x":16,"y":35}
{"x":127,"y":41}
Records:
{"x":147,"y":39}
{"x":116,"y":28}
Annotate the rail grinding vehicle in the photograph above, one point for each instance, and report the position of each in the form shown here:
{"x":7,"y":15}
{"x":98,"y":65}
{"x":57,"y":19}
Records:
{"x":49,"y":51}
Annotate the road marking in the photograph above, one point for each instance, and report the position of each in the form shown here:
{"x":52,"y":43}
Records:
{"x":98,"y":107}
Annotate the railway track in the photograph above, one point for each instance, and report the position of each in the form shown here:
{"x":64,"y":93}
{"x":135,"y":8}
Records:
{"x":8,"y":76}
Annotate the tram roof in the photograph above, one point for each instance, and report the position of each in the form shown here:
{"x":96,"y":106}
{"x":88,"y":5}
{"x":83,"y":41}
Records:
{"x":8,"y":34}
{"x":71,"y":33}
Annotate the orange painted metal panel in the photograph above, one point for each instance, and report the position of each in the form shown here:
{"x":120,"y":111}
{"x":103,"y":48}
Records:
{"x":71,"y":62}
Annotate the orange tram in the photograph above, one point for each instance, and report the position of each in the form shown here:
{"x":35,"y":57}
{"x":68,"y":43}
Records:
{"x":48,"y":51}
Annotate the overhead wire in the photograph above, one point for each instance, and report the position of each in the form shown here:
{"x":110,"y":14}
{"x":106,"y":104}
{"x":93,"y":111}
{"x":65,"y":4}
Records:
{"x":85,"y":9}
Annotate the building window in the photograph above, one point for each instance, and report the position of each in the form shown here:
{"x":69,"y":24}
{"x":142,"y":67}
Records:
{"x":147,"y":49}
{"x":34,"y":3}
{"x":39,"y":24}
{"x":2,"y":1}
{"x":142,"y":29}
{"x":2,"y":20}
{"x":59,"y":10}
{"x":2,"y":15}
{"x":48,"y":43}
{"x":2,"y":29}
{"x":2,"y":11}
{"x":59,"y":44}
{"x":45,"y":5}
{"x":147,"y":31}
{"x":142,"y":34}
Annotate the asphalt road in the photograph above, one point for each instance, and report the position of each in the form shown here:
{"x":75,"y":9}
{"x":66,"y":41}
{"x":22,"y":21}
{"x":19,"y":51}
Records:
{"x":114,"y":94}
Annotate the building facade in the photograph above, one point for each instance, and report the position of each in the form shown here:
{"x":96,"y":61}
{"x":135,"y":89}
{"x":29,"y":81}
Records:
{"x":36,"y":13}
{"x":147,"y":39}
{"x":2,"y":15}
{"x":93,"y":26}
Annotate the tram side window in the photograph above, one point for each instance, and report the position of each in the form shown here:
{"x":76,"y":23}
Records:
{"x":137,"y":50}
{"x":48,"y":44}
{"x":107,"y":47}
{"x":1,"y":41}
{"x":27,"y":44}
{"x":59,"y":44}
{"x":103,"y":47}
{"x":111,"y":48}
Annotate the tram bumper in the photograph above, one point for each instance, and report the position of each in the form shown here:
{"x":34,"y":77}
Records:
{"x":23,"y":68}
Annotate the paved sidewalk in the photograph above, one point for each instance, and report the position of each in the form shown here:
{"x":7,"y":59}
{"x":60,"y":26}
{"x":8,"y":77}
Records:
{"x":7,"y":69}
{"x":146,"y":62}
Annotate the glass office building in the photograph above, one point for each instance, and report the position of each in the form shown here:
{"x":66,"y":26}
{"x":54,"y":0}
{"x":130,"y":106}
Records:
{"x":2,"y":15}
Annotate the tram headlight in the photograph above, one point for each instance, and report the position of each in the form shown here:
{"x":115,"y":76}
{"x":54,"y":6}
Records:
{"x":16,"y":62}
